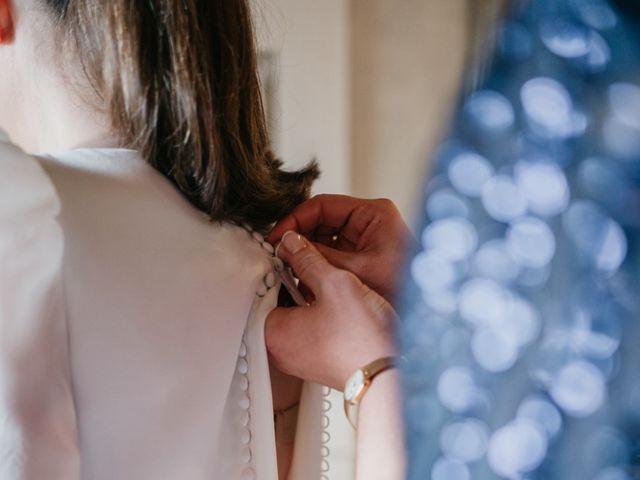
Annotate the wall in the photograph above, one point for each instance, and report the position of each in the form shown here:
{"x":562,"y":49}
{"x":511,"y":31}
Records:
{"x":407,"y":63}
{"x":310,"y":43}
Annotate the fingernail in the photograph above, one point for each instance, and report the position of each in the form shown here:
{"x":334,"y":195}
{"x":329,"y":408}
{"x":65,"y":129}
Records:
{"x":292,"y":242}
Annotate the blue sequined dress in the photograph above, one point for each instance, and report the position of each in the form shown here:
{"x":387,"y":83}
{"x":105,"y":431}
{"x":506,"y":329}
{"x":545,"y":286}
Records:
{"x":521,"y":323}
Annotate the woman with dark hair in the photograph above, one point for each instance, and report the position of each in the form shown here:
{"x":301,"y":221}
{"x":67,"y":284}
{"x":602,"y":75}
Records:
{"x":131,"y":305}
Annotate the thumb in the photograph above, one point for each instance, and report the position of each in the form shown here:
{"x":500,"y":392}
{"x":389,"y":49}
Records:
{"x":306,"y":261}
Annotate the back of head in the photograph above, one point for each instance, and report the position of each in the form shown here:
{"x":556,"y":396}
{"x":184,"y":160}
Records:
{"x":180,"y":84}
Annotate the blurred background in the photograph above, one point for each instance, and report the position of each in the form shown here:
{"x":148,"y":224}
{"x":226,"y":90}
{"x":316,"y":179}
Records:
{"x":366,"y":87}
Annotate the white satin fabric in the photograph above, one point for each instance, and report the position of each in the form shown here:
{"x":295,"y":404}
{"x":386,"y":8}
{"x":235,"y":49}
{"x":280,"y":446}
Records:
{"x":131,"y":330}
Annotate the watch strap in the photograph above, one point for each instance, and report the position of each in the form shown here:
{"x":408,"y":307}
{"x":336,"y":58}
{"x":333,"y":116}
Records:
{"x":378,"y":366}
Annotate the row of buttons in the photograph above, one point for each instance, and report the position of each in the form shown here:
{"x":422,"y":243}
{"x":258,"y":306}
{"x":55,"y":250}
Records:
{"x":270,"y":280}
{"x":241,"y":382}
{"x":325,"y":435}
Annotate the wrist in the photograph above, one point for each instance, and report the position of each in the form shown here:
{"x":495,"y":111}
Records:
{"x":357,"y":361}
{"x":360,"y":383}
{"x":385,"y":382}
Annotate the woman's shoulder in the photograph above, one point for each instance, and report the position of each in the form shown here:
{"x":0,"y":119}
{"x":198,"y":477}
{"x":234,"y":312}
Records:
{"x":28,"y":197}
{"x":119,"y":213}
{"x":34,"y":348}
{"x":109,"y":201}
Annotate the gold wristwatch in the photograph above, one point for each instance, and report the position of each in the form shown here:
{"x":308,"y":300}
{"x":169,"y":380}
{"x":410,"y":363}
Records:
{"x":359,"y":383}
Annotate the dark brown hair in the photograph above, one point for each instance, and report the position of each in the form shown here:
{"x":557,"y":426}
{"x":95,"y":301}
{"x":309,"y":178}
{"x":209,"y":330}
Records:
{"x":179,"y":81}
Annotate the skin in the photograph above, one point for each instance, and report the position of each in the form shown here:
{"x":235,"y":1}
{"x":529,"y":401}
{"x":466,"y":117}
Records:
{"x":314,"y":343}
{"x":311,"y":342}
{"x":372,"y":241}
{"x":372,"y":238}
{"x":42,"y":109}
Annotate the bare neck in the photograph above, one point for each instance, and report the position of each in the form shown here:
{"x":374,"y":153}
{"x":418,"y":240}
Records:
{"x":52,"y":116}
{"x":47,"y":102}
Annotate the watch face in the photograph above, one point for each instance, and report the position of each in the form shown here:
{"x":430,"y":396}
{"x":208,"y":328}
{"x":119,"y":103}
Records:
{"x":354,"y":385}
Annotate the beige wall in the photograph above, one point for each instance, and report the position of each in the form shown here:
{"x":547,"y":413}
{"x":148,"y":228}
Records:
{"x":407,"y":58}
{"x":310,"y":42}
{"x":364,"y":86}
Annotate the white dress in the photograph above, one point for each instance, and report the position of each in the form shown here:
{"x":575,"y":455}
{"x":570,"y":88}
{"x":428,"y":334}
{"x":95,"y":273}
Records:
{"x":131,"y":330}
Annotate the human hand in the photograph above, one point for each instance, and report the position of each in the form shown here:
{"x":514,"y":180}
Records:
{"x":347,"y":326}
{"x":366,"y":237}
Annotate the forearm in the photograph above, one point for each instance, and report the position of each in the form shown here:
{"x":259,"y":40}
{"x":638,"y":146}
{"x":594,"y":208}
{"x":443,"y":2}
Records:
{"x":380,"y":450}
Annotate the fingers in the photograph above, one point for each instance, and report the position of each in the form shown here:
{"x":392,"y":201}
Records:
{"x":275,"y":330}
{"x":332,"y":211}
{"x":306,"y":261}
{"x":339,"y":258}
{"x":283,"y":335}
